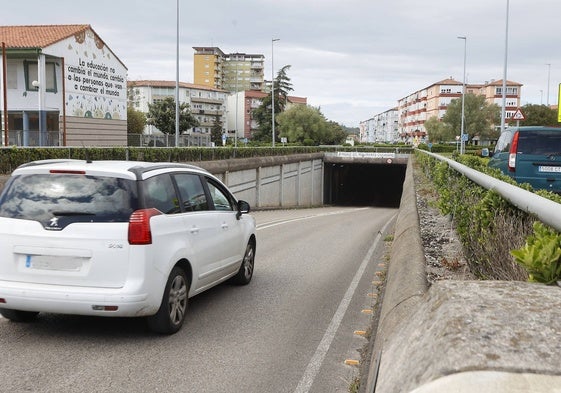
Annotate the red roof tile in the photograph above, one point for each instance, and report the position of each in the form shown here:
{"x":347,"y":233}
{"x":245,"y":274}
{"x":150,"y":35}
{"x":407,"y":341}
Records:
{"x":39,"y":36}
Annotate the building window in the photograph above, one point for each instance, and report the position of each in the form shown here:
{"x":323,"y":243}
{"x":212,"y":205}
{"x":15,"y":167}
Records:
{"x":511,"y":91}
{"x":32,"y":74}
{"x":12,"y":76}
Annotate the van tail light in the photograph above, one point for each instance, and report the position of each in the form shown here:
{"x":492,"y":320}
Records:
{"x":139,"y":226}
{"x":512,"y":153}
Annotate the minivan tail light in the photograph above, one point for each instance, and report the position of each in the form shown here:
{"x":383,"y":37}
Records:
{"x":512,"y":153}
{"x":139,"y":226}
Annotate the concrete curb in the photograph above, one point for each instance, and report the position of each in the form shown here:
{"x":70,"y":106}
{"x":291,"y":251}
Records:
{"x":406,"y":280}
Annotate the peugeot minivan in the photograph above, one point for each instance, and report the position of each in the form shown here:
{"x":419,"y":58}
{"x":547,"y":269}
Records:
{"x":530,"y":154}
{"x":118,"y":238}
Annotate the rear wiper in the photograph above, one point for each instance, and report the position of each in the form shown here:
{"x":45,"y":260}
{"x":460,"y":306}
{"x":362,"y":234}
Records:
{"x":70,"y":213}
{"x":549,"y":155}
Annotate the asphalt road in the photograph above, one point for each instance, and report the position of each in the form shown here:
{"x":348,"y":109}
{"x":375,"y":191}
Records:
{"x":290,"y":330}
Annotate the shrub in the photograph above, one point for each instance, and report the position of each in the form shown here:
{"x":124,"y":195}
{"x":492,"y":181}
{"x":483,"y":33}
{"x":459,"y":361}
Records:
{"x":541,"y":255}
{"x":488,"y":226}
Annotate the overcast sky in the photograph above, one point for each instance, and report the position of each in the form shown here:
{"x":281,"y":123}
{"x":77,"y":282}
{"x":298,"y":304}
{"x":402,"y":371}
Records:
{"x":352,"y":58}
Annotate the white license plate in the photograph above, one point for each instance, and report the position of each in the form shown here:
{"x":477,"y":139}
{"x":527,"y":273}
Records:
{"x":49,"y":262}
{"x":549,"y":169}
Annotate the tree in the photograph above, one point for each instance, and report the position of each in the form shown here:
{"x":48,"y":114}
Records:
{"x":216,"y":131}
{"x":480,"y":117}
{"x":282,"y":88}
{"x":136,"y":121}
{"x":162,"y":115}
{"x":263,"y":114}
{"x":336,"y":134}
{"x":539,"y":115}
{"x":439,"y":131}
{"x":306,"y":125}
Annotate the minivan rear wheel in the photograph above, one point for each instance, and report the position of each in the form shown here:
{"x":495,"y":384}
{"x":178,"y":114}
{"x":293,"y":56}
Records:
{"x":18,"y":315}
{"x":170,"y":316}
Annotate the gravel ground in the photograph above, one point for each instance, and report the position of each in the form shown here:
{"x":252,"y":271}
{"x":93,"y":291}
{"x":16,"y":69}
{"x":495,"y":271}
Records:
{"x":443,"y":250}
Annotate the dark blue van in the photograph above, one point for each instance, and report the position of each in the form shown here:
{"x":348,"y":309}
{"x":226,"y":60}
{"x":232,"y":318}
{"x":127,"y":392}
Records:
{"x":530,"y":154}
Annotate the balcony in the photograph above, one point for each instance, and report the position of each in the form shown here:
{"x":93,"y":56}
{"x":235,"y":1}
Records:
{"x":212,"y":112}
{"x":207,"y":100}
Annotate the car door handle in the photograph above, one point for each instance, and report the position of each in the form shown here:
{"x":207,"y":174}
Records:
{"x":224,"y":225}
{"x":194,"y":230}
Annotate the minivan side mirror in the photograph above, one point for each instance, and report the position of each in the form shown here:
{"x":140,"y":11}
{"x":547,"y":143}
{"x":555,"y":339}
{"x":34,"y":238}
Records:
{"x":243,"y":208}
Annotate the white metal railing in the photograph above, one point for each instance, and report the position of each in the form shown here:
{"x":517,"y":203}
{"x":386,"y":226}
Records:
{"x":545,"y":210}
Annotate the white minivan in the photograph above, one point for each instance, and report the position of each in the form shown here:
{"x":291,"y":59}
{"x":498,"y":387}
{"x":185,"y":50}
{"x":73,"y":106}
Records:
{"x":118,"y":238}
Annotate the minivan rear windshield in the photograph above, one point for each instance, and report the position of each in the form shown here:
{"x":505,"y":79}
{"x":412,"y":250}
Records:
{"x":68,"y":198}
{"x":540,"y":143}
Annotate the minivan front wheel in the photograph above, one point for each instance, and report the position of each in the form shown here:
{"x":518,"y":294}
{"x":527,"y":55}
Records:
{"x":170,"y":316}
{"x":245,"y":273}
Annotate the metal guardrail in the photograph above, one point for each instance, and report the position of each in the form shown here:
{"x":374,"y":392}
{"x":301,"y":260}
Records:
{"x":545,"y":210}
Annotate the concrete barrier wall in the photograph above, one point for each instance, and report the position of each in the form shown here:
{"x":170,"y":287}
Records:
{"x":273,"y":182}
{"x":268,"y":182}
{"x":406,"y":278}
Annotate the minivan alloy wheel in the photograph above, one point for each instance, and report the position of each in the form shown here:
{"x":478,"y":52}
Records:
{"x":177,"y":299}
{"x":245,"y":273}
{"x":171,"y":314}
{"x":248,"y":262}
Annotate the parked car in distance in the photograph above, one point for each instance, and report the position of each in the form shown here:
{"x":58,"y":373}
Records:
{"x":531,"y":155}
{"x":118,"y":238}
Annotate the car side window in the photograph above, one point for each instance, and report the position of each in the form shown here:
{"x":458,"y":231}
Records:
{"x":503,"y":144}
{"x":220,"y":198}
{"x":191,"y":191}
{"x":159,"y":193}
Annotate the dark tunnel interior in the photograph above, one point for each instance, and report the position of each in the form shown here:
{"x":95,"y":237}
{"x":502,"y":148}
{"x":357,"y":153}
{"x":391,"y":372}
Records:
{"x":363,"y":184}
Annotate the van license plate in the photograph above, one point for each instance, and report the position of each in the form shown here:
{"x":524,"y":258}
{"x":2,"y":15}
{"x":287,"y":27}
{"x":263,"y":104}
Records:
{"x":49,"y":262}
{"x":550,"y":169}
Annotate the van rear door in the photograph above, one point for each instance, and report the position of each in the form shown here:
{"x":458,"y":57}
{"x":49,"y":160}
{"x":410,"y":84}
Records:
{"x":538,"y":159}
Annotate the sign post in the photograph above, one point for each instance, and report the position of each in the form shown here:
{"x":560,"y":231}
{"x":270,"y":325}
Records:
{"x":558,"y":101}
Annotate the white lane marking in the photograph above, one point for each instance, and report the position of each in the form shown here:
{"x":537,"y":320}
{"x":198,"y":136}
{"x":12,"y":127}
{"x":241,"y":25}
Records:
{"x":289,"y":220}
{"x":316,"y":362}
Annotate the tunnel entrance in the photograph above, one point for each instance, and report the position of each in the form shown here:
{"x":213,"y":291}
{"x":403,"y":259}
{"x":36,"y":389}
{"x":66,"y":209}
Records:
{"x":363,"y":184}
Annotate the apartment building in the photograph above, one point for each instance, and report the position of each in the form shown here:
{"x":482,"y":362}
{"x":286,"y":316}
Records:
{"x":62,"y":83}
{"x":240,"y":111}
{"x":233,"y":72}
{"x":416,"y":108}
{"x":207,"y":104}
{"x":383,"y":127}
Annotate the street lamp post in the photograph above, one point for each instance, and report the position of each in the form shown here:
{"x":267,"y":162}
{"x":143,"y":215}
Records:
{"x":462,"y":141}
{"x":503,"y":109}
{"x":177,"y":82}
{"x":273,"y":88}
{"x":236,"y":118}
{"x":548,"y":78}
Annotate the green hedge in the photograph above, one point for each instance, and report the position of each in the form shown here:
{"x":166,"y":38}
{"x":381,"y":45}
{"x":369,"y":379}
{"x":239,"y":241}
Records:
{"x":12,"y":157}
{"x":489,"y":227}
